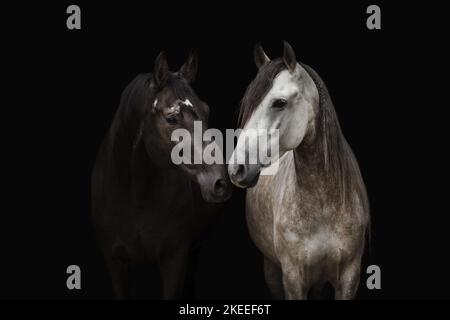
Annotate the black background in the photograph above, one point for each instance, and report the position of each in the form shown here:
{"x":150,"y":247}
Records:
{"x":67,"y":86}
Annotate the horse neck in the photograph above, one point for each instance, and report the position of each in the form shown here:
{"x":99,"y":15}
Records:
{"x":331,"y":173}
{"x":321,"y":158}
{"x":309,"y":169}
{"x":317,"y":158}
{"x":149,"y":178}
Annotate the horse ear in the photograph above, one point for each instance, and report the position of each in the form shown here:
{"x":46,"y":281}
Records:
{"x":260,"y":56}
{"x":289,"y":57}
{"x":161,"y":70}
{"x":189,"y":69}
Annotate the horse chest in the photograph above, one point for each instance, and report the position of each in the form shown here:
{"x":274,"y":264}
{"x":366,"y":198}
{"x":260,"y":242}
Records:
{"x":144,"y":230}
{"x":265,"y":199}
{"x":286,"y":222}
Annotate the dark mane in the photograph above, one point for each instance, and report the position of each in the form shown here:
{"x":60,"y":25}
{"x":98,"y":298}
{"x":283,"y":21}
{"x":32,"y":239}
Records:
{"x":258,"y":88}
{"x":336,"y":156}
{"x":126,"y":126}
{"x":133,"y":104}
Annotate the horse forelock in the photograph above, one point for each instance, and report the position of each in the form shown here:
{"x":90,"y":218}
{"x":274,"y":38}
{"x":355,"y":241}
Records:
{"x":258,"y":89}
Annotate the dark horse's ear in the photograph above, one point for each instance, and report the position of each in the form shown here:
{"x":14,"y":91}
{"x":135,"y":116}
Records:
{"x":189,"y":69}
{"x":289,"y":57}
{"x":260,"y":56}
{"x":161,"y":70}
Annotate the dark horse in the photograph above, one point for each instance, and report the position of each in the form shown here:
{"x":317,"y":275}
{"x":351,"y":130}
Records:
{"x":145,"y":208}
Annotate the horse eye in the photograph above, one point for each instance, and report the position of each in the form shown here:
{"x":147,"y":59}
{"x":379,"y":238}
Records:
{"x":279,"y":103}
{"x":171,"y":120}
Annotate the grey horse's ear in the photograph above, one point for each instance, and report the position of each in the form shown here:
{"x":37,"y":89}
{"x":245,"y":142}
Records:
{"x":161,"y":70}
{"x":260,"y":56}
{"x":289,"y":57}
{"x":189,"y":69}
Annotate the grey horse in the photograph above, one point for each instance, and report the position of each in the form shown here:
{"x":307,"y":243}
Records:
{"x":310,"y":219}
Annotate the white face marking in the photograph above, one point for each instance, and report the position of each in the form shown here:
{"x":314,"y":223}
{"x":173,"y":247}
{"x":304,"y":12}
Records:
{"x":175,"y":108}
{"x":187,"y":103}
{"x":155,"y":103}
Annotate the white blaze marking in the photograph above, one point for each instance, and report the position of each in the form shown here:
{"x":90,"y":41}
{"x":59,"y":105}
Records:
{"x":187,"y":103}
{"x":155,"y":103}
{"x":175,"y":108}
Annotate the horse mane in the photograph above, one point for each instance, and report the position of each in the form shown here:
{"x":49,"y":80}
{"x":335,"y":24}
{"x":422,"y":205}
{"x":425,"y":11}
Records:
{"x":337,"y":158}
{"x":126,"y":127}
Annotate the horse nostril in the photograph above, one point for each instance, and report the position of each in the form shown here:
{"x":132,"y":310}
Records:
{"x":240,"y":172}
{"x":220,"y":187}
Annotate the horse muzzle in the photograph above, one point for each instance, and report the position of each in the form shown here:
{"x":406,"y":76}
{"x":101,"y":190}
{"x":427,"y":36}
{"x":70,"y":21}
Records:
{"x":244,"y":175}
{"x":215,"y":189}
